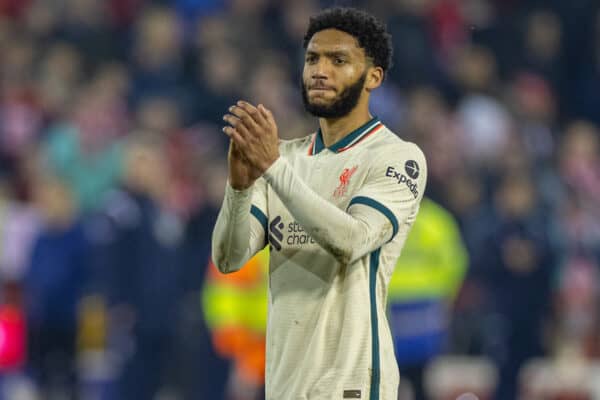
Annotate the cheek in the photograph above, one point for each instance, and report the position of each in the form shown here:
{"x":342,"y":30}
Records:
{"x":306,"y":74}
{"x":350,"y":74}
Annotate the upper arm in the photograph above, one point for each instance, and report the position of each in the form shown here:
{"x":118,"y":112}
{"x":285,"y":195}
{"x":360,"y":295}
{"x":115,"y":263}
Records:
{"x":260,"y":217}
{"x":394,"y":186}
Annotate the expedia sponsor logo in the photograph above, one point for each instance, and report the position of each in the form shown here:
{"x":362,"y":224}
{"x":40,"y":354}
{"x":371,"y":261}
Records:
{"x":412,"y":169}
{"x":292,"y":235}
{"x":403,"y":180}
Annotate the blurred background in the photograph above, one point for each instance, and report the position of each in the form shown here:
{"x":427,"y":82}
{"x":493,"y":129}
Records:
{"x":113,"y":166}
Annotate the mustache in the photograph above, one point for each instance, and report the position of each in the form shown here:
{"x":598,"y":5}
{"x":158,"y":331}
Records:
{"x":321,"y":86}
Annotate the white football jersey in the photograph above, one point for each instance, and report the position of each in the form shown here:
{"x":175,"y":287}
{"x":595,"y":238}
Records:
{"x":328,"y":336}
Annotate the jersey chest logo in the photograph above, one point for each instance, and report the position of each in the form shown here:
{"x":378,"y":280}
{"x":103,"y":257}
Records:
{"x":344,"y":181}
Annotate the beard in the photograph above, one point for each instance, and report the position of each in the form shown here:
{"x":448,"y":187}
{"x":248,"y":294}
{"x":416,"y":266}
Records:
{"x":341,"y":105}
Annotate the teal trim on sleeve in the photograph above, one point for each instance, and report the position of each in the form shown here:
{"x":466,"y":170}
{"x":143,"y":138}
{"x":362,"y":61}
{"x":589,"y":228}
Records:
{"x":260,"y":216}
{"x":367,"y":201}
{"x":375,"y":362}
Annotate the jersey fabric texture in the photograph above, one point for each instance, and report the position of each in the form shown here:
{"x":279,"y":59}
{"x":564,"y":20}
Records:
{"x":336,"y":219}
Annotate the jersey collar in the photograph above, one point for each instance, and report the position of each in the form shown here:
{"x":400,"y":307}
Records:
{"x":347,"y":141}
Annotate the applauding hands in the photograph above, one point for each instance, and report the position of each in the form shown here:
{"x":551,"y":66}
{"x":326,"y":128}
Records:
{"x":254,"y":143}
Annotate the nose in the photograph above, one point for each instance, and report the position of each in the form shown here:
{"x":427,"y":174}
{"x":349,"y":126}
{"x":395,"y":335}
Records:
{"x":320,"y":71}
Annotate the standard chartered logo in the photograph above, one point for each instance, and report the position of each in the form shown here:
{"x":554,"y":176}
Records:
{"x":275,"y":235}
{"x":292,"y":235}
{"x":297,"y":235}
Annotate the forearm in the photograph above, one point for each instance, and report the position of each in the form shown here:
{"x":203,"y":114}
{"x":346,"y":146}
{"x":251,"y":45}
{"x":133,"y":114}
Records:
{"x":233,"y":240}
{"x":345,"y":236}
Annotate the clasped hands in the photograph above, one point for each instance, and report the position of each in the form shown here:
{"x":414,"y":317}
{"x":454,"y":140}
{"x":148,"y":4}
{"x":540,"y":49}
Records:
{"x":254,"y":145}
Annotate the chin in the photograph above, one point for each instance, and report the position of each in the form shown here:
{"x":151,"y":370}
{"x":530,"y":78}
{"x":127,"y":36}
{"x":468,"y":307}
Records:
{"x":320,"y":101}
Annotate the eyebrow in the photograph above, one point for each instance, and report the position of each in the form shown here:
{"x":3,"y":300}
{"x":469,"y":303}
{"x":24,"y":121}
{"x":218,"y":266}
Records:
{"x":335,"y":53}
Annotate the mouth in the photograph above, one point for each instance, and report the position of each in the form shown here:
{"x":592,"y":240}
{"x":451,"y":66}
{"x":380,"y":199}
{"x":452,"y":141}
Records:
{"x":321,"y":87}
{"x":320,"y":90}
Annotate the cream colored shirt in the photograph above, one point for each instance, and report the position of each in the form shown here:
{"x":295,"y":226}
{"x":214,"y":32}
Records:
{"x":336,"y":219}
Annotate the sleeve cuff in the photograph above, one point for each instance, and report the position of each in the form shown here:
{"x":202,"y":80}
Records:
{"x":238,"y":198}
{"x":244,"y":193}
{"x":275,"y":170}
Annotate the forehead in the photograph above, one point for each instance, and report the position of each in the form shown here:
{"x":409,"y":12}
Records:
{"x":333,"y":40}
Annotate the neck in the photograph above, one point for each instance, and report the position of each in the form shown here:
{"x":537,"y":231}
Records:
{"x":334,"y":129}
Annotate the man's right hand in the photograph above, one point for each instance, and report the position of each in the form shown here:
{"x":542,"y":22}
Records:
{"x":241,"y":173}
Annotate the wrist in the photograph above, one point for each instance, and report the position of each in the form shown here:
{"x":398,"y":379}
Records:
{"x":238,"y":192}
{"x":275,"y":170}
{"x":240,"y":186}
{"x":268,"y":164}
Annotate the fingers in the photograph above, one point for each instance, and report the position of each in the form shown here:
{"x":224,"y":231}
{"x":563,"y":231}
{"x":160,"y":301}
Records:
{"x":238,"y":125}
{"x":235,"y":136}
{"x":249,"y":125}
{"x":267,"y":114}
{"x":248,"y":114}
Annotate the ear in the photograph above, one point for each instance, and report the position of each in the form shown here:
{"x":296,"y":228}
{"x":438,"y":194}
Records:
{"x":374,"y":78}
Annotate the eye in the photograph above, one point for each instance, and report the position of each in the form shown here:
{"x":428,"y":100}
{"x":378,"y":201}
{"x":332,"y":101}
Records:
{"x":311,"y":59}
{"x":339,"y":61}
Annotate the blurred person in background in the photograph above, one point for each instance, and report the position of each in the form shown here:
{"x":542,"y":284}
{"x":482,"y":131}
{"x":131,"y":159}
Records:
{"x":87,"y":151}
{"x":542,"y":47}
{"x":54,"y":283}
{"x":519,"y":263}
{"x":217,"y":80}
{"x":429,"y":121}
{"x":583,"y":89}
{"x":426,"y":279}
{"x":535,"y":106}
{"x":204,"y":372}
{"x":20,"y":224}
{"x":157,"y":55}
{"x":578,"y":233}
{"x":86,"y":25}
{"x":140,"y":272}
{"x":58,"y":78}
{"x":235,"y":306}
{"x":414,"y":57}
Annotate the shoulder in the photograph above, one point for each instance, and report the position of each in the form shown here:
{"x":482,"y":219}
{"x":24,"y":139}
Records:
{"x":295,"y":145}
{"x":390,"y":146}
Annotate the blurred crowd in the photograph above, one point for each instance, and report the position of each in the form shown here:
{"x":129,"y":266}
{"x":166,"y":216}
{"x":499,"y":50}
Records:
{"x":113,"y":165}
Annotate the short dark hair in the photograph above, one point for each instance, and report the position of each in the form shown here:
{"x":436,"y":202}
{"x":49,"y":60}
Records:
{"x":370,"y":33}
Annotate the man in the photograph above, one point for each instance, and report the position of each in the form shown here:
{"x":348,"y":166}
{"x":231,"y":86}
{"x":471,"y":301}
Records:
{"x":335,"y":207}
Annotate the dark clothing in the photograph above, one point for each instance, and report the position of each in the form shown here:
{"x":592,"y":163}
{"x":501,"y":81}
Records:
{"x":56,"y":276}
{"x":137,"y":263}
{"x":519,"y":264}
{"x":141,"y":269}
{"x":54,"y":283}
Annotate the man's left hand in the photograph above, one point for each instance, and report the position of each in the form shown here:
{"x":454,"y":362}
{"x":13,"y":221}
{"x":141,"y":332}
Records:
{"x":254,"y":131}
